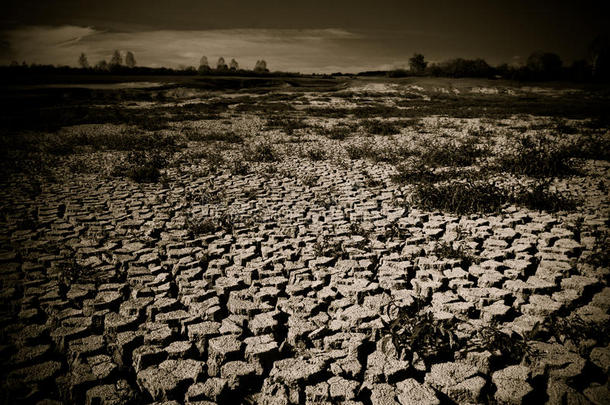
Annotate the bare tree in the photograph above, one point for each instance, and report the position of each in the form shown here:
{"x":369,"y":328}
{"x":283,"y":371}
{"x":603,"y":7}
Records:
{"x":233,"y":65}
{"x":82,"y":61}
{"x":221,"y":65}
{"x":117,"y":59}
{"x":130,"y":60}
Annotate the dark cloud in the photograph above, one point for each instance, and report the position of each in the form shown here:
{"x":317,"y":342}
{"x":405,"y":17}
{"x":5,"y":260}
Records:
{"x":394,"y":29}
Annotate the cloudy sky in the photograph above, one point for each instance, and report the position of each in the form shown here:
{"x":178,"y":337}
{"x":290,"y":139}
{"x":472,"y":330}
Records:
{"x":306,"y":36}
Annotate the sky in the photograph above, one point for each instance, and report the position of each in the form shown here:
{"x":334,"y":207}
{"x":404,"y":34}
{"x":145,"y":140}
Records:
{"x":303,"y":35}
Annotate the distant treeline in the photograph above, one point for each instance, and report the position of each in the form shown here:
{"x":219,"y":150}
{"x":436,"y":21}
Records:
{"x":540,"y":66}
{"x":34,"y":69}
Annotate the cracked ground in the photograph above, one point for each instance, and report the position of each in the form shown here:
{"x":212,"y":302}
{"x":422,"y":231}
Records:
{"x":267,"y":252}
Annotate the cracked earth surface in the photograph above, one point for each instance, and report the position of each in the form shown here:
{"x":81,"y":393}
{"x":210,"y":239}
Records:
{"x":108,"y":298}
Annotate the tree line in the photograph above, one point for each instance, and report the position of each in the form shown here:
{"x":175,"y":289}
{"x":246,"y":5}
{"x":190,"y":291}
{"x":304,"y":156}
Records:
{"x":539,"y":66}
{"x":116,"y":64}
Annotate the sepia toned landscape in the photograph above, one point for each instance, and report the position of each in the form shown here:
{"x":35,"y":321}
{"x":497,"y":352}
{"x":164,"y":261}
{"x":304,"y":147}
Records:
{"x":308,"y":239}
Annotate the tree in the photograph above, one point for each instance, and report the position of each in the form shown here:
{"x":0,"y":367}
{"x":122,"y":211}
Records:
{"x":417,"y":64}
{"x":599,"y":55}
{"x":221,"y":65}
{"x":261,"y":66}
{"x":233,"y":65}
{"x":117,"y":59}
{"x":204,"y":66}
{"x":101,"y":65}
{"x":82,"y":61}
{"x":544,"y":65}
{"x":130,"y":60}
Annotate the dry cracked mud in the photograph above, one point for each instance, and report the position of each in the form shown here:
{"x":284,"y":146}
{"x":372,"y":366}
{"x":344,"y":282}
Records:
{"x":111,"y":294}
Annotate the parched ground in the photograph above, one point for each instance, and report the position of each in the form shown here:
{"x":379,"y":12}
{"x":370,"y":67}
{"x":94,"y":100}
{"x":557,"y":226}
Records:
{"x":275,"y":247}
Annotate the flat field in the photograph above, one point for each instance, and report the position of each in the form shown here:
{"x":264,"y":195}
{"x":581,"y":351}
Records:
{"x":304,"y":240}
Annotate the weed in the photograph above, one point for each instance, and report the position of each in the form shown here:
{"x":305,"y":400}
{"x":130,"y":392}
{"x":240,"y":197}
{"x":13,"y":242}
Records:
{"x":370,"y":181}
{"x":199,"y":227}
{"x":537,"y":156}
{"x":316,"y":153}
{"x":239,"y":167}
{"x":461,"y":197}
{"x":288,"y":125}
{"x":540,"y":198}
{"x":461,"y":154}
{"x":449,"y":251}
{"x":513,"y":349}
{"x":338,"y":132}
{"x":413,"y":329}
{"x":378,"y":127}
{"x":600,"y":257}
{"x":229,"y":136}
{"x":324,"y":247}
{"x":261,"y":152}
{"x":70,"y":271}
{"x":142,"y":167}
{"x":309,"y":180}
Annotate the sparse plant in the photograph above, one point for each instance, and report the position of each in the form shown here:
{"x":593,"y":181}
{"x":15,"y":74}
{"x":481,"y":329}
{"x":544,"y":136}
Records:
{"x":461,"y":197}
{"x":325,"y":247}
{"x":537,"y":156}
{"x":309,"y":180}
{"x":413,"y":329}
{"x":261,"y":152}
{"x":198,"y":227}
{"x":539,"y":197}
{"x":378,"y":127}
{"x":449,"y":251}
{"x":316,"y":153}
{"x":142,"y":167}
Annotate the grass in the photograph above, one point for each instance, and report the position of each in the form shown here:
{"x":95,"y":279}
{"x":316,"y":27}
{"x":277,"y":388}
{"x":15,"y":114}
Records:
{"x":338,"y":132}
{"x":541,"y":198}
{"x":378,"y":127}
{"x":197,"y":136}
{"x":368,"y":150}
{"x":449,"y":251}
{"x":286,"y":124}
{"x":141,"y":167}
{"x":315,"y":153}
{"x":261,"y":152}
{"x":537,"y":156}
{"x":461,"y":197}
{"x":459,"y":154}
{"x":117,"y":138}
